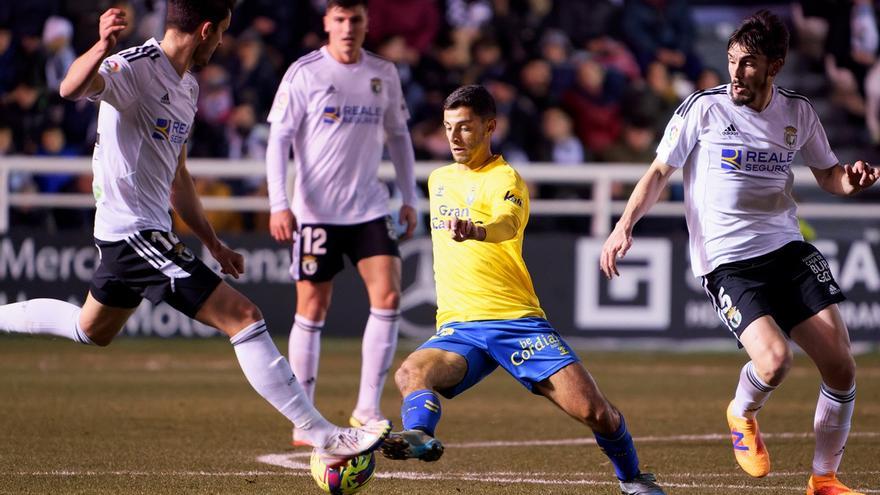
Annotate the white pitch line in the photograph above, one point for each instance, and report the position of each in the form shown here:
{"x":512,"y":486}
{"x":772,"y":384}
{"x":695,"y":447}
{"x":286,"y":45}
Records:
{"x":289,"y":461}
{"x":65,"y":473}
{"x":647,"y":439}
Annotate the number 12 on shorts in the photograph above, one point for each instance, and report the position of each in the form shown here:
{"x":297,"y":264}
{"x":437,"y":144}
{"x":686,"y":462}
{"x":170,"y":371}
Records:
{"x":313,"y":239}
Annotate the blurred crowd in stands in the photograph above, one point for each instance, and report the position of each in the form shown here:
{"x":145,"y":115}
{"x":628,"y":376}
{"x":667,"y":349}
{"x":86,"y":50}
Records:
{"x":575,"y":80}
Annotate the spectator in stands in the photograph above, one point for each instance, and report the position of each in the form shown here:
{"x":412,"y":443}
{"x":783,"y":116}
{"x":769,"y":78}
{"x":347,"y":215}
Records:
{"x":53,"y":143}
{"x":215,"y":105}
{"x":468,"y":14}
{"x":487,"y":61}
{"x":395,"y":49}
{"x":8,"y":75}
{"x":851,"y":46}
{"x":615,"y":56}
{"x":246,"y":137}
{"x":663,"y":31}
{"x":418,"y":21}
{"x":518,"y":116}
{"x":57,"y":35}
{"x":556,"y":50}
{"x":594,"y":104}
{"x":429,"y":141}
{"x":636,"y":143}
{"x":26,"y":105}
{"x":584,"y":21}
{"x":709,"y":78}
{"x":254,"y":79}
{"x":504,"y":144}
{"x":558,"y":143}
{"x":535,"y":80}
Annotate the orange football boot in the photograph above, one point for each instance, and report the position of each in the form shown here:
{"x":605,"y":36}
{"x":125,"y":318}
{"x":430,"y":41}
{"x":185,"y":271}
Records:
{"x":828,"y":485}
{"x":748,"y":447}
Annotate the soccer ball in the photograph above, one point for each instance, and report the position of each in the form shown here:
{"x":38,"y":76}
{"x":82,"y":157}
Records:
{"x":344,"y":480}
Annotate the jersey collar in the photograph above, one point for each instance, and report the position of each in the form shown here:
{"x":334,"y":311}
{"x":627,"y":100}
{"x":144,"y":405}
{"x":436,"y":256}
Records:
{"x":164,"y":62}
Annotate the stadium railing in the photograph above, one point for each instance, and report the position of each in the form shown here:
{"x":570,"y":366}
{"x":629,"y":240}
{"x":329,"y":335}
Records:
{"x":600,"y":177}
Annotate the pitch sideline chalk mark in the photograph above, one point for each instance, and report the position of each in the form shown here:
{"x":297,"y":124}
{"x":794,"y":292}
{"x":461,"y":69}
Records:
{"x":289,"y":461}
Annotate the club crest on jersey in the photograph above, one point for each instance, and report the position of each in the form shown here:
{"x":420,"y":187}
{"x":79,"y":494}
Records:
{"x":376,"y":85}
{"x":331,"y":115}
{"x":471,"y":195}
{"x":790,"y":136}
{"x":309,"y":265}
{"x":731,"y":159}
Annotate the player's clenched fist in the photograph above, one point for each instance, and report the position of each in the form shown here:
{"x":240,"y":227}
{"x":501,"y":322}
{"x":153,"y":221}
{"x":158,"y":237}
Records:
{"x":111,"y":24}
{"x":463,"y":229}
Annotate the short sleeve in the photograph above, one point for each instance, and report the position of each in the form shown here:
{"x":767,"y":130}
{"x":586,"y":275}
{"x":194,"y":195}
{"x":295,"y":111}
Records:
{"x":120,"y":83}
{"x":397,"y":113}
{"x":680,"y":136}
{"x":816,"y":152}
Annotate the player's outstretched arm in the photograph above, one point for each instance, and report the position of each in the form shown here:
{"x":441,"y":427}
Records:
{"x":80,"y":81}
{"x":643,"y":197}
{"x":186,"y":203}
{"x":848,"y":179}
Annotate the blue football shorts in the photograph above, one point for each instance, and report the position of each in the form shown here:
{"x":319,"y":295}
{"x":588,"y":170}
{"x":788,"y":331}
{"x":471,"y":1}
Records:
{"x":528,"y":348}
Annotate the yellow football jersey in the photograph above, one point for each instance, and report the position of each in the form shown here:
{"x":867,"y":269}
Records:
{"x":481,"y":280}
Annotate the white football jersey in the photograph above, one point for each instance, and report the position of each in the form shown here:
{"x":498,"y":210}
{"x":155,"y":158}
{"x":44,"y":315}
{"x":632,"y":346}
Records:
{"x":338,"y":115}
{"x":144,"y":120}
{"x":737,"y":171}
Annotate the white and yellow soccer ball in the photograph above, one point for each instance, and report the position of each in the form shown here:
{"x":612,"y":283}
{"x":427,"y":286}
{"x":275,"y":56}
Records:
{"x":344,"y":480}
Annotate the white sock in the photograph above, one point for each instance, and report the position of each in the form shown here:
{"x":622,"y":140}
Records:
{"x":43,"y":317}
{"x":304,"y":349}
{"x":751,"y":393}
{"x":834,"y":411}
{"x":271,"y":376}
{"x":377,"y":352}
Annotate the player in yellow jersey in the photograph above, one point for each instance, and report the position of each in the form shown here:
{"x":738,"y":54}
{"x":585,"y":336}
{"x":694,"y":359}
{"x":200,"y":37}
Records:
{"x":487,"y":311}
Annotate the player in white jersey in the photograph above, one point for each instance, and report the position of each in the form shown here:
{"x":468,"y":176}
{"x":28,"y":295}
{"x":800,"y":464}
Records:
{"x":148,"y":102}
{"x":736,"y":145}
{"x":336,"y":108}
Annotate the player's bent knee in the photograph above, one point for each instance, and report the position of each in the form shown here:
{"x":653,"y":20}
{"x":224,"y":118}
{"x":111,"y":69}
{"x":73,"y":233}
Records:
{"x":773,"y":367}
{"x":409,"y":377}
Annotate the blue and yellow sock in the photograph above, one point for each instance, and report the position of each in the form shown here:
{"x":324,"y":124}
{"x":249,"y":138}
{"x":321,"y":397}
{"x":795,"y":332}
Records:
{"x":620,"y":450}
{"x":420,"y":411}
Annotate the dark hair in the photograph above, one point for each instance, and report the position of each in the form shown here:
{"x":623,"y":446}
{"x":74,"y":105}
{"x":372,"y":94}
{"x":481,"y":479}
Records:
{"x":763,"y":33}
{"x":186,"y":15}
{"x":473,"y":96}
{"x":346,"y":4}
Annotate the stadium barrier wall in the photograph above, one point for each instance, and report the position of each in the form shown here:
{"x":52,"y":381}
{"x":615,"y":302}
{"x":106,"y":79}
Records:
{"x":656,"y":298}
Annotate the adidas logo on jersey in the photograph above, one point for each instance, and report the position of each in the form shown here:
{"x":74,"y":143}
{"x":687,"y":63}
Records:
{"x":730,"y":131}
{"x":832,"y":289}
{"x":165,"y":99}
